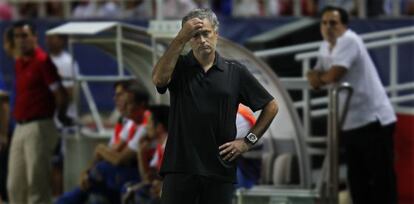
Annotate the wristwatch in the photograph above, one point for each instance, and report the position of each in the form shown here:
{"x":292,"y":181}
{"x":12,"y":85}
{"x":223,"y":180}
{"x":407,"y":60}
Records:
{"x":251,"y":139}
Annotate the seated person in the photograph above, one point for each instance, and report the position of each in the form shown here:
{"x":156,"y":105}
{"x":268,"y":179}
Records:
{"x":114,"y":166}
{"x":149,"y":189}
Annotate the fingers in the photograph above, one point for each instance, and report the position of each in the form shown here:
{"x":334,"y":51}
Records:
{"x":232,"y":156}
{"x":229,"y":151}
{"x":191,"y":27}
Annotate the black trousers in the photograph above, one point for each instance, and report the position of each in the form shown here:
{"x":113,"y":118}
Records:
{"x":195,"y":189}
{"x":4,"y":155}
{"x":369,"y":152}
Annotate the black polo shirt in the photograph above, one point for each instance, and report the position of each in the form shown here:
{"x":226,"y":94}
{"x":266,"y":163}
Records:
{"x":203,"y":108}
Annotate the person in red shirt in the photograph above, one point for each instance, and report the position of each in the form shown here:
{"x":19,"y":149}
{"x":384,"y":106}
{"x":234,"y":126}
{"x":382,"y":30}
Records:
{"x":39,"y":94}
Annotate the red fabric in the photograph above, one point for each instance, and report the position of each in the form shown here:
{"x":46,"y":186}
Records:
{"x":133,"y":129}
{"x":118,"y":128}
{"x":147,"y":116}
{"x":160,"y":152}
{"x":247,"y":114}
{"x":404,"y":157}
{"x":131,"y":132}
{"x":33,"y":77}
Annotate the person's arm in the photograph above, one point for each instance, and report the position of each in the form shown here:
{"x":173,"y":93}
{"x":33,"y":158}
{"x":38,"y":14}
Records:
{"x":4,"y":119}
{"x":344,"y":54}
{"x":265,"y":118}
{"x":84,"y":176}
{"x":52,"y":79}
{"x":142,"y":158}
{"x":116,"y":158}
{"x":163,"y":70}
{"x":61,"y":101}
{"x":231,"y":150}
{"x":318,"y":78}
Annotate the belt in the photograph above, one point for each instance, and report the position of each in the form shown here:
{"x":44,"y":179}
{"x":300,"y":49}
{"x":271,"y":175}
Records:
{"x":22,"y":122}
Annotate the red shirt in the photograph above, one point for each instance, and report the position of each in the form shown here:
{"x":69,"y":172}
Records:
{"x":34,"y":75}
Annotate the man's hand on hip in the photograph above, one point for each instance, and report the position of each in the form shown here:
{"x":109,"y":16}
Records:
{"x":231,"y":150}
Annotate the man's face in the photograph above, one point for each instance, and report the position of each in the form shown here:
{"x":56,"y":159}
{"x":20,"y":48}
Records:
{"x":54,"y":43}
{"x":120,"y":99}
{"x":134,"y":110}
{"x":25,"y":40}
{"x":204,"y":42}
{"x":331,"y":26}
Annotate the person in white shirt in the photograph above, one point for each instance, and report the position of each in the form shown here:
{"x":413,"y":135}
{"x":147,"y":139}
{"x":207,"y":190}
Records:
{"x":66,"y":67}
{"x":369,"y":126}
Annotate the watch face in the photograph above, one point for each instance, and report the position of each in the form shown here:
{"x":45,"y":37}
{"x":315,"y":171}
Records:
{"x":252,"y":137}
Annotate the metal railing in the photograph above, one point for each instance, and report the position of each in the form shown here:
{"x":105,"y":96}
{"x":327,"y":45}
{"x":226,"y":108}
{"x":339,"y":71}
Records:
{"x":335,"y":122}
{"x":315,"y":45}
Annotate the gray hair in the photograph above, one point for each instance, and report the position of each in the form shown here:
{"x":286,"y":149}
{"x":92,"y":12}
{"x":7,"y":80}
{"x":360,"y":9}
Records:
{"x":202,"y":13}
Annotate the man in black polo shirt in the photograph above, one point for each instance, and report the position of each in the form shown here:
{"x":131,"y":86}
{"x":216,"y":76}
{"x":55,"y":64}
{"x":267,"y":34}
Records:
{"x":205,"y":91}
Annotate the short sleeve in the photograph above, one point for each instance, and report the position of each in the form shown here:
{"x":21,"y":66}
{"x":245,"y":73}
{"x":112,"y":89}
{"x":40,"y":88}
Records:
{"x":345,"y":52}
{"x":154,"y":160}
{"x":125,"y":130}
{"x":68,"y":74}
{"x":252,"y":93}
{"x":175,"y":78}
{"x":318,"y":65}
{"x":140,"y":132}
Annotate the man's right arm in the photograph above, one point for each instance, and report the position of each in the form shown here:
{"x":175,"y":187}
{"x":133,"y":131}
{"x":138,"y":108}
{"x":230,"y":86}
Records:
{"x":163,"y":70}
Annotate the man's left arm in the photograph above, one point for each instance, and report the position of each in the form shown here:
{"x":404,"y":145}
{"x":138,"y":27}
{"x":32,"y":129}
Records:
{"x":231,"y":150}
{"x":61,"y":101}
{"x":346,"y":51}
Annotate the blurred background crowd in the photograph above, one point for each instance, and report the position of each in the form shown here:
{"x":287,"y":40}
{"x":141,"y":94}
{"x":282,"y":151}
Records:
{"x":145,"y":9}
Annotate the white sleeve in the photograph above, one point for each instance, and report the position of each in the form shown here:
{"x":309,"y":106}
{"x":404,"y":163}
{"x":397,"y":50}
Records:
{"x":345,"y":52}
{"x":154,"y":160}
{"x":140,"y":132}
{"x":123,"y":134}
{"x":125,"y":130}
{"x":69,"y":73}
{"x":318,"y":65}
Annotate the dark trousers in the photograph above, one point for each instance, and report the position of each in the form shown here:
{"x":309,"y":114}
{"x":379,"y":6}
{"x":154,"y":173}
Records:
{"x":369,"y":152}
{"x":195,"y":189}
{"x":106,"y":180}
{"x":4,"y":154}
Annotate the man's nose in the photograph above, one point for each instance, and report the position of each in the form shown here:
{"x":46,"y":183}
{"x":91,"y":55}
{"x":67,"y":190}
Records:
{"x":202,"y":39}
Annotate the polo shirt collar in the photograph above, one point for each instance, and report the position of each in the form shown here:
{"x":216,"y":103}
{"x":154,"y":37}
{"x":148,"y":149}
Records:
{"x":218,"y":61}
{"x":35,"y":53}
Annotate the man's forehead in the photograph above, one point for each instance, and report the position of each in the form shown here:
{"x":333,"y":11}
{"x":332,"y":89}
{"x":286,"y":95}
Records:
{"x":206,"y":23}
{"x":330,"y":14}
{"x":23,"y":29}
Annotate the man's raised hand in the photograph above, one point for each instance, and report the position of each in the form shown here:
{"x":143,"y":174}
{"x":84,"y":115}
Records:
{"x":189,"y":29}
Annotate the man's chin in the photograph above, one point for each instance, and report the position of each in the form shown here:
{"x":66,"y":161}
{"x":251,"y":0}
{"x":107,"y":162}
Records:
{"x":205,"y":51}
